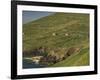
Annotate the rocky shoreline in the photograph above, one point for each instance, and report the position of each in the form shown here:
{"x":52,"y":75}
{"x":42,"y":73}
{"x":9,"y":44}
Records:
{"x":50,"y":56}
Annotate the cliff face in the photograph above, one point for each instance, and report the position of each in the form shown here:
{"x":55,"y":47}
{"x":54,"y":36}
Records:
{"x":54,"y":55}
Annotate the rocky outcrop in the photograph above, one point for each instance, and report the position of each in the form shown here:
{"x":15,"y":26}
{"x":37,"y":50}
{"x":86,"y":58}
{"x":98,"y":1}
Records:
{"x":53,"y":55}
{"x":71,"y":51}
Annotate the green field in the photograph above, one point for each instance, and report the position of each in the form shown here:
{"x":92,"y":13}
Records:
{"x":58,"y":34}
{"x":78,"y":59}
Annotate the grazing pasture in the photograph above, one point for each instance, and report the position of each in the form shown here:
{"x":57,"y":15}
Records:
{"x":62,"y":39}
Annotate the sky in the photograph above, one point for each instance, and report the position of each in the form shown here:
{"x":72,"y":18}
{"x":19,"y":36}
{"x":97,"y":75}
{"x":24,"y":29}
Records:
{"x":29,"y":16}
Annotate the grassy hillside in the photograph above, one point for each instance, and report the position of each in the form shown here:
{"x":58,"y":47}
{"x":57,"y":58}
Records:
{"x":60,"y":30}
{"x":78,"y":59}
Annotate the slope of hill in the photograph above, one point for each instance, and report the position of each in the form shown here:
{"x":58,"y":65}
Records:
{"x":78,"y":59}
{"x":60,"y":30}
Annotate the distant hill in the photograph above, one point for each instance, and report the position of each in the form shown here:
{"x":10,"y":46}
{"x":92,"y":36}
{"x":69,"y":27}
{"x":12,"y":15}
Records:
{"x":59,"y":30}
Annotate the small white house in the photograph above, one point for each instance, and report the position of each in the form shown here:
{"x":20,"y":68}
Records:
{"x":54,"y":34}
{"x":66,"y":34}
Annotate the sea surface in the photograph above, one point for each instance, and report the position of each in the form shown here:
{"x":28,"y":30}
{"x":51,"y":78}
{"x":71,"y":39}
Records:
{"x":29,"y":64}
{"x":29,"y":16}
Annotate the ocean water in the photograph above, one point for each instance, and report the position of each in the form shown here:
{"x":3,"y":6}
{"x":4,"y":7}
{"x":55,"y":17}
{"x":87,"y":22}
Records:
{"x":29,"y":64}
{"x":28,"y":16}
